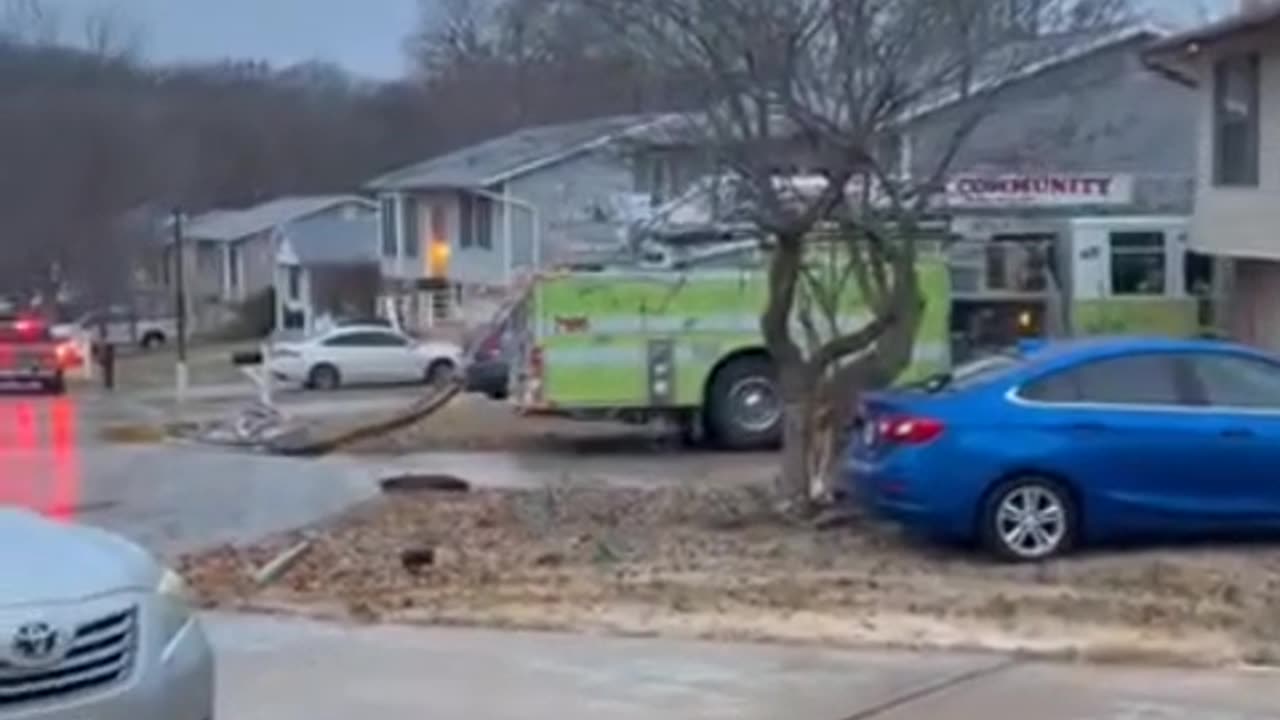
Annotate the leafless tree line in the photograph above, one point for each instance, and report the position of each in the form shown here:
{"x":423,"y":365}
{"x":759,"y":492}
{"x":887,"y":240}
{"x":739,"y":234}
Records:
{"x":90,"y":133}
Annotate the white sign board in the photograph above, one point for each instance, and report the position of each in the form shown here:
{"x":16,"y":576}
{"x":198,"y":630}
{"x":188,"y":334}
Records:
{"x":1039,"y":190}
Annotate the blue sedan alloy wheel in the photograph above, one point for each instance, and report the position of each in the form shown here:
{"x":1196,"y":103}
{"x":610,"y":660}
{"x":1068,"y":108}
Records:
{"x":1028,"y":519}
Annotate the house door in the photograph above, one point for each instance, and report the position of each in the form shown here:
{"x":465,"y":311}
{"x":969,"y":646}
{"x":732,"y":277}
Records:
{"x":1257,"y":294}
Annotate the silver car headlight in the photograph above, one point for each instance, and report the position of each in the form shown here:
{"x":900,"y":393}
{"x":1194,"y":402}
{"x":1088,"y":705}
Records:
{"x":173,"y":588}
{"x":173,"y":604}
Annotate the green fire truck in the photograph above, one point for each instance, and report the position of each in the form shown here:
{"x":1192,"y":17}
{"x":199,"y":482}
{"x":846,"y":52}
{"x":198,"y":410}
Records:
{"x":676,"y":334}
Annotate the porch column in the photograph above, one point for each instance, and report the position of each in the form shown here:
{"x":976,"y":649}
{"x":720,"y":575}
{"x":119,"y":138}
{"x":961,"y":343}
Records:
{"x":226,"y":271}
{"x":507,"y":244}
{"x":306,"y":300}
{"x":282,"y":292}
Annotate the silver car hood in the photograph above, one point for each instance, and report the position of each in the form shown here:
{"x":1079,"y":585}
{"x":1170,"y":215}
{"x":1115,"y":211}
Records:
{"x":43,"y":561}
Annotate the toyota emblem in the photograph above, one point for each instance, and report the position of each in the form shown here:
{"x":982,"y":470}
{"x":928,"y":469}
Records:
{"x":36,"y":645}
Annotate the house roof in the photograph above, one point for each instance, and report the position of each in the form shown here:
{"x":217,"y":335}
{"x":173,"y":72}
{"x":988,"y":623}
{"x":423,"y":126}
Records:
{"x":997,"y":70}
{"x":1168,"y":53}
{"x":328,"y":240}
{"x":1025,"y":61}
{"x":230,"y":225}
{"x":502,"y":158}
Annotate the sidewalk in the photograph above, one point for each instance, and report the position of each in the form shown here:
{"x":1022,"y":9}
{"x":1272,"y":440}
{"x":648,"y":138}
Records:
{"x":291,"y":670}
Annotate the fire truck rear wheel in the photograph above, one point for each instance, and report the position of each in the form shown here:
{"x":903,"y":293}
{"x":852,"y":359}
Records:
{"x":744,"y":405}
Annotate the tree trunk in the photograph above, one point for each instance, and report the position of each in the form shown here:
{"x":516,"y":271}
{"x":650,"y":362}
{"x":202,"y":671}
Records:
{"x":795,"y":380}
{"x":842,"y":391}
{"x":798,"y":427}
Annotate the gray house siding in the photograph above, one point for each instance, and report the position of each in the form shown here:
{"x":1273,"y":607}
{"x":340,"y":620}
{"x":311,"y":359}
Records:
{"x":257,"y":256}
{"x":577,"y":203}
{"x":1103,"y":113}
{"x":211,"y":298}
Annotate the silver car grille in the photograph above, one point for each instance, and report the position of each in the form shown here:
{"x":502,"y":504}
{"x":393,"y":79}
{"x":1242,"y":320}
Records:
{"x":101,"y":655}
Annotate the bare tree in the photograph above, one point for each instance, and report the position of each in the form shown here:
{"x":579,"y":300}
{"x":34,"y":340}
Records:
{"x":454,"y":33}
{"x":830,"y":85}
{"x":111,"y":33}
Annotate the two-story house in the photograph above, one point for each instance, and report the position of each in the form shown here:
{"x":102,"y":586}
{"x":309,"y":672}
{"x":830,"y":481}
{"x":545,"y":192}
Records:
{"x":463,"y":226}
{"x":1234,"y":66}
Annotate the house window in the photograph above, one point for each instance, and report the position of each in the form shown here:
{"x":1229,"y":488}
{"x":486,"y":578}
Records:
{"x":475,"y":222}
{"x":387,"y":218}
{"x":652,"y":175}
{"x":484,"y":223}
{"x":412,"y":238}
{"x":1235,"y":121}
{"x":466,"y":221}
{"x":891,"y":154}
{"x":295,"y":282}
{"x":1138,"y":263}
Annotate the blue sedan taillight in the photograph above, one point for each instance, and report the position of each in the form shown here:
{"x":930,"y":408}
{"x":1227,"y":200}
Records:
{"x":906,"y":430}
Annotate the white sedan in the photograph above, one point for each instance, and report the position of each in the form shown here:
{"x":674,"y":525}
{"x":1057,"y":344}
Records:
{"x":363,"y":354}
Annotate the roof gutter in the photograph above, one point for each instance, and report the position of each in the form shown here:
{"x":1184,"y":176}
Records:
{"x":1031,"y":69}
{"x":593,"y":144}
{"x":383,"y":184}
{"x":1173,"y":55}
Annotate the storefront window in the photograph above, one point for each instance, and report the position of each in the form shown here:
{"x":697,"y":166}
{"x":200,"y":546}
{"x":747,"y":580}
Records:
{"x":1138,"y":263}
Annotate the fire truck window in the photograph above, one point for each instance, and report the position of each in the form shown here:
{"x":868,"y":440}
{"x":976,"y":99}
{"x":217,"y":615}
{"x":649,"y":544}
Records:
{"x":997,"y":278}
{"x":1138,"y":263}
{"x":1023,"y":262}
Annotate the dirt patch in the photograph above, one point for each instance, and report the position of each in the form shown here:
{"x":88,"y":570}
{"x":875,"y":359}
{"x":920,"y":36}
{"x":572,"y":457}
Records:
{"x":718,"y":564}
{"x":473,"y":423}
{"x":134,"y":434}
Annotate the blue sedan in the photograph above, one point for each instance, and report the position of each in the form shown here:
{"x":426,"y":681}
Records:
{"x":1035,"y":452}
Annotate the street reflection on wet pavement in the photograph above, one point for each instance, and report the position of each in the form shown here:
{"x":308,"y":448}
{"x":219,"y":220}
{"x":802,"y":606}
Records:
{"x":168,"y":498}
{"x":40,"y":454}
{"x":173,"y":498}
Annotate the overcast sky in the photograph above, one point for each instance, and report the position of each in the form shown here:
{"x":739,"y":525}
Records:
{"x":365,"y":36}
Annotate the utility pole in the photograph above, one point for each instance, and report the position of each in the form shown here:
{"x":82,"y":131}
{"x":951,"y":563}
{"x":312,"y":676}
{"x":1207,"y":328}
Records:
{"x":180,"y":304}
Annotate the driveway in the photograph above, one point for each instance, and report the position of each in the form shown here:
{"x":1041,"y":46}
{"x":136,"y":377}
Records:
{"x":286,"y":670}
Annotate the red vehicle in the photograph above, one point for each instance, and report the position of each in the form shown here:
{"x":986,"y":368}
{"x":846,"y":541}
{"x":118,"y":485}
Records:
{"x":30,"y":354}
